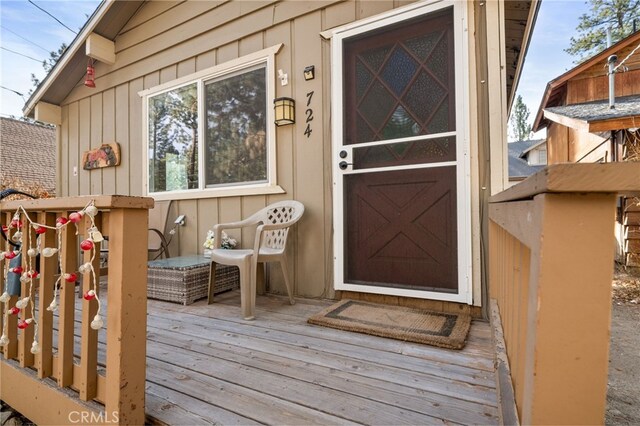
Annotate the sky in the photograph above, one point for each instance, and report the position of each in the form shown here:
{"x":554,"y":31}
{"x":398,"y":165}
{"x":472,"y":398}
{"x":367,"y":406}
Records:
{"x":19,"y":18}
{"x":545,"y":60}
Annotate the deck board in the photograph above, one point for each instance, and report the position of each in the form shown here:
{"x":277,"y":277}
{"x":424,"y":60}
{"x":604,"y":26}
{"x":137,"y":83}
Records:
{"x":205,"y":365}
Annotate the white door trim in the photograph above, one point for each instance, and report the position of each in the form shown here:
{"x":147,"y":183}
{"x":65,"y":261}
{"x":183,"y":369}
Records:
{"x":463,"y":175}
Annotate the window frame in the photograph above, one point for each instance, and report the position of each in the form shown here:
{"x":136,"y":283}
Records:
{"x":266,"y":58}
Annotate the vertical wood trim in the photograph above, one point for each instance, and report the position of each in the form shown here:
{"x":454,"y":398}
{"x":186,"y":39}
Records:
{"x":62,"y":153}
{"x":569,"y":310}
{"x":121,"y":105}
{"x":96,"y":140}
{"x":497,"y":100}
{"x":108,"y":135}
{"x":127,"y":319}
{"x":48,"y":271}
{"x":25,"y":338}
{"x":67,"y":308}
{"x":74,"y":150}
{"x":135,"y":139}
{"x":88,"y":381}
{"x":84,"y":144}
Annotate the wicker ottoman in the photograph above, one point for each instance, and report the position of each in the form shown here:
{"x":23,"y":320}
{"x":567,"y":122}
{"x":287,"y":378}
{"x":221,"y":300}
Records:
{"x":185,"y":279}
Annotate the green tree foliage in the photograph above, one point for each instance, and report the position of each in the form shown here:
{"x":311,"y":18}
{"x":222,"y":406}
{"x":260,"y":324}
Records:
{"x":48,"y":64}
{"x":592,"y":29}
{"x":520,"y":128}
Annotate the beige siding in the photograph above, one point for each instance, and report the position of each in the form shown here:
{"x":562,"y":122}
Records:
{"x":167,"y":40}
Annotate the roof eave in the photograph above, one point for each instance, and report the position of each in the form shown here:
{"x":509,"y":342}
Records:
{"x":76,"y":45}
{"x":531,"y":23}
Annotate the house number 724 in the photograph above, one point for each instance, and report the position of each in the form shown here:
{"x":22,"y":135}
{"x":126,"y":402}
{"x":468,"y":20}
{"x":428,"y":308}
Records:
{"x":309,"y":114}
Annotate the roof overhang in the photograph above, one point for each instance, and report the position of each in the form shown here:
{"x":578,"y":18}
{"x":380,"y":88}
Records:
{"x":107,"y":21}
{"x":596,"y":116}
{"x":555,"y":91}
{"x":519,"y":20}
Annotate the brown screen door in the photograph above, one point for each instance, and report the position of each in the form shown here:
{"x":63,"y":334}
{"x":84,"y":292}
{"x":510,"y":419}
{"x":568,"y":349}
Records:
{"x":397,"y":160}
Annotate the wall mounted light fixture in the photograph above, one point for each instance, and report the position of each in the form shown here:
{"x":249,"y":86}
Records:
{"x":285,"y":111}
{"x":310,"y":72}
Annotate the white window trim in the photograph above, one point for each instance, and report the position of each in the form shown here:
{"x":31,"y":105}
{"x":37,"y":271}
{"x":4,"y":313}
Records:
{"x":265,"y":56}
{"x":463,"y":173}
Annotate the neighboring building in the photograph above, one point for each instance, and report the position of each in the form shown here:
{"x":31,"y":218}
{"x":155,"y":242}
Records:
{"x":411,"y":97}
{"x":582,"y":128}
{"x":27,"y":156}
{"x":526,"y":158}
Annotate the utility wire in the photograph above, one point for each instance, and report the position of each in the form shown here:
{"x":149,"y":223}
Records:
{"x":59,"y":21}
{"x":21,"y":54}
{"x":27,"y":40}
{"x":625,"y":59}
{"x":14,"y":91}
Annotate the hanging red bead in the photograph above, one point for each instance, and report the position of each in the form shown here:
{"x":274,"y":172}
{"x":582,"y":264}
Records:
{"x":5,"y":228}
{"x":70,"y":278}
{"x":14,"y":311}
{"x":61,"y":221}
{"x":89,"y":295}
{"x":17,"y":270}
{"x":32,"y":274}
{"x":10,"y":255}
{"x":41,"y":230}
{"x":75,"y":217}
{"x":22,"y":324}
{"x":15,"y":223}
{"x":86,"y":245}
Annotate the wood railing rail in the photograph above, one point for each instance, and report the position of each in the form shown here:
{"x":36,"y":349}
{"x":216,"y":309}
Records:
{"x":551,"y":254}
{"x":38,"y":385}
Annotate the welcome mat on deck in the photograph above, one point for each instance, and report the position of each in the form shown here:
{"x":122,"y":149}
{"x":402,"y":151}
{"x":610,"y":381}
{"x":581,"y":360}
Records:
{"x":397,"y":322}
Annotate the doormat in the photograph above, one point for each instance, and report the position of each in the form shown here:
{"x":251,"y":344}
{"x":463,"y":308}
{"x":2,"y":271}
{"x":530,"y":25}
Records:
{"x":396,"y":322}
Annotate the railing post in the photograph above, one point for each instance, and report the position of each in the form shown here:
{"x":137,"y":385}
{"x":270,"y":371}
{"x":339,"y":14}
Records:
{"x":48,"y":270}
{"x":127,"y":318}
{"x":67,"y":308}
{"x":567,"y":344}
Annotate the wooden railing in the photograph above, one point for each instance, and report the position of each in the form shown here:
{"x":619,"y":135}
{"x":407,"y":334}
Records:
{"x":551,"y":253}
{"x":39,"y":386}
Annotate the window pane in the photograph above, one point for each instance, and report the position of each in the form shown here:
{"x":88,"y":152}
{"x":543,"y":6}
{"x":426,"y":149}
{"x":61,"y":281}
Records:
{"x":236,"y":140}
{"x":173,"y":140}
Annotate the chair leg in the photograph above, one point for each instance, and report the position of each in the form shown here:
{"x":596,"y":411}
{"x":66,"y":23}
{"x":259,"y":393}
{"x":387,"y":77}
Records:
{"x":212,"y":282}
{"x":285,"y":272}
{"x":246,"y":289}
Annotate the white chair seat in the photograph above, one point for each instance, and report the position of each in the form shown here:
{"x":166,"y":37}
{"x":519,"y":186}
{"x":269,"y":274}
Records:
{"x":272,"y":228}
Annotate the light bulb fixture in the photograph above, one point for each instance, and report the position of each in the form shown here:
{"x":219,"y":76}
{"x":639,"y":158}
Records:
{"x":310,"y":73}
{"x":90,"y":80}
{"x":285,"y":111}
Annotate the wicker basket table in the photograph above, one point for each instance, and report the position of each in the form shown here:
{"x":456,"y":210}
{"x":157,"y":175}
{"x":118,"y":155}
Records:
{"x":185,"y":279}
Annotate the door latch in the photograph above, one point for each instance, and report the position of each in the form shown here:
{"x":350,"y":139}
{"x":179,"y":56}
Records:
{"x":343,"y":165}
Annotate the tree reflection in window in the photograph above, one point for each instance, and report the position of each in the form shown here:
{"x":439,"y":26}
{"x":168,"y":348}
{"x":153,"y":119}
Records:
{"x":236,"y":141}
{"x":173,"y":140}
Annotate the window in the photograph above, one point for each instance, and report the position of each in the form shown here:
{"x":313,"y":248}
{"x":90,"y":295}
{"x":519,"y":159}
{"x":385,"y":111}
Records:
{"x":212,"y":133}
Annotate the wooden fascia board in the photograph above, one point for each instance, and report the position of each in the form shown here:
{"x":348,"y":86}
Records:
{"x":614,"y":124}
{"x":59,"y":67}
{"x":543,"y":103}
{"x":574,"y":123}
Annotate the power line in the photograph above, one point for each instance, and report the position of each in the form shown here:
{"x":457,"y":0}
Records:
{"x":21,"y":54}
{"x":59,"y":21}
{"x":625,"y":59}
{"x":27,"y":40}
{"x":14,"y":91}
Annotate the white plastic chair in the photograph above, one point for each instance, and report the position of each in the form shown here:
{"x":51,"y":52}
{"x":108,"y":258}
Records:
{"x":272,"y":228}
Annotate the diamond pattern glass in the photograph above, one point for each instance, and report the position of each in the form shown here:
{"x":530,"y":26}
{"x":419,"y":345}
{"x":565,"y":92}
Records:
{"x":424,"y":96}
{"x":403,"y":153}
{"x":438,"y":62}
{"x":375,"y":57}
{"x":401,"y":125}
{"x":423,"y":45}
{"x":363,"y":78}
{"x":399,"y":70}
{"x":376,"y":106}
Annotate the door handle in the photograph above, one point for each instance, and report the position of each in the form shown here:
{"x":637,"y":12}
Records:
{"x":343,"y":165}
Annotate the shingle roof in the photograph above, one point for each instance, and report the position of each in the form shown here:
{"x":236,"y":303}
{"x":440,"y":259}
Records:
{"x":625,"y":106}
{"x":518,"y":168}
{"x":28,"y":152}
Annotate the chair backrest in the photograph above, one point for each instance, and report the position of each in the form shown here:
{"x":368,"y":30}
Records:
{"x":158,"y":217}
{"x":284,"y":213}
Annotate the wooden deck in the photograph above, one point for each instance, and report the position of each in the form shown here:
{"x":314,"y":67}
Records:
{"x":205,"y":365}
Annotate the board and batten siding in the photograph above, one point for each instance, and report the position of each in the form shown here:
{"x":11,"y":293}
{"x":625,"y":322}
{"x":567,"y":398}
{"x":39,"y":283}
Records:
{"x":166,"y":40}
